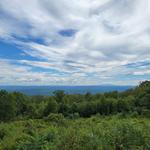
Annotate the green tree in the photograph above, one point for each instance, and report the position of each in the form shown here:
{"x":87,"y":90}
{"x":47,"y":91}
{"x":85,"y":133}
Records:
{"x":59,"y":95}
{"x":21,"y":101}
{"x":52,"y":107}
{"x":7,"y":106}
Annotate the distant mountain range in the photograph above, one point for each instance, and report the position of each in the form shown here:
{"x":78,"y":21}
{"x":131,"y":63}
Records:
{"x":48,"y":90}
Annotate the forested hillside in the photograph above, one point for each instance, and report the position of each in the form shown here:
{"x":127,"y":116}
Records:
{"x":108,"y":121}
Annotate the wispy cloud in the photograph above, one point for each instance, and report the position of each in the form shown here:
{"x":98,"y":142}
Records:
{"x":77,"y":42}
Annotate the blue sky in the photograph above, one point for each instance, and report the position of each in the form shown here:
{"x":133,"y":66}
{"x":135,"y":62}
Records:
{"x":70,"y":42}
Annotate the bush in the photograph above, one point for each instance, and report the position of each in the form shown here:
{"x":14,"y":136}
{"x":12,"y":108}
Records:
{"x":40,"y":141}
{"x":3,"y":133}
{"x":30,"y":143}
{"x":145,"y":112}
{"x":55,"y":118}
{"x":78,"y":140}
{"x":29,"y":128}
{"x":123,"y":136}
{"x":74,"y":116}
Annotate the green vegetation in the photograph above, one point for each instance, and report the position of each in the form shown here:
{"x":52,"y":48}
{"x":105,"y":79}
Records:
{"x":108,"y":121}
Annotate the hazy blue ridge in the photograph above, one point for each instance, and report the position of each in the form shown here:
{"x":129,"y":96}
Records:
{"x":48,"y":90}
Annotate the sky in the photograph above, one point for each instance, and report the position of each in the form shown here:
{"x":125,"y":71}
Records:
{"x":74,"y":42}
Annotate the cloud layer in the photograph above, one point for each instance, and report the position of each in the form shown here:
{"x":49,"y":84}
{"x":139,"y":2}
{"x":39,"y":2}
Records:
{"x":76,"y":42}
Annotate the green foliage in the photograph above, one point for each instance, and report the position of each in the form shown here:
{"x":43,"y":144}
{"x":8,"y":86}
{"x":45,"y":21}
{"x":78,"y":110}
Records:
{"x":19,"y":105}
{"x":55,"y":118}
{"x":95,"y":133}
{"x":77,"y":140}
{"x":7,"y":106}
{"x":59,"y":95}
{"x":51,"y":107}
{"x":104,"y":121}
{"x":124,"y":136}
{"x":3,"y":133}
{"x":21,"y":101}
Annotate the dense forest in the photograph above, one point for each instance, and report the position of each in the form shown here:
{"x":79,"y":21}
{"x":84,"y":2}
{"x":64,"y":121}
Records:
{"x":104,"y":121}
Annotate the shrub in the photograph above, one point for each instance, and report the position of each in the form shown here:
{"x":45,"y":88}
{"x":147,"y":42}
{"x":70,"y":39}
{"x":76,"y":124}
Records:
{"x":78,"y":140}
{"x":3,"y":133}
{"x":55,"y":118}
{"x":145,"y":112}
{"x":123,"y":136}
{"x":40,"y":141}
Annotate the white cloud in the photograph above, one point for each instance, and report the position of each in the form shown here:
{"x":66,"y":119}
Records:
{"x":109,"y":35}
